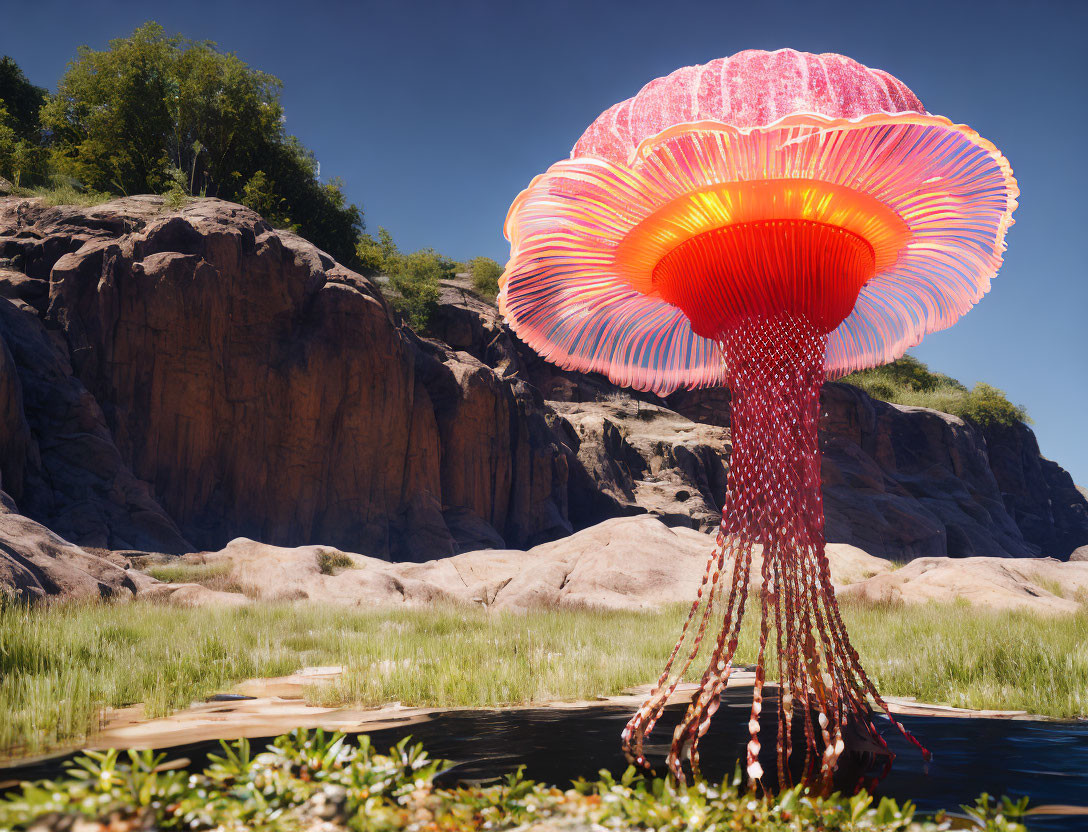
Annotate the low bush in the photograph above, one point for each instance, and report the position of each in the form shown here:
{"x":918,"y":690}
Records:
{"x":415,"y":281}
{"x":485,"y":275}
{"x":331,"y":562}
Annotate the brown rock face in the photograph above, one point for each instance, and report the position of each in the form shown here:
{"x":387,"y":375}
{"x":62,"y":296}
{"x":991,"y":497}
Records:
{"x":261,"y":389}
{"x":635,"y":457}
{"x":907,"y":482}
{"x":1046,"y":505}
{"x":59,"y":461}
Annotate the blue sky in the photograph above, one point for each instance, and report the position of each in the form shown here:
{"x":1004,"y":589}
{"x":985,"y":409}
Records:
{"x":436,"y":114}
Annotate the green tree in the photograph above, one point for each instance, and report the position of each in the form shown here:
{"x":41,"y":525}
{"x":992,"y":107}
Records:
{"x":485,"y":275}
{"x":21,"y":157}
{"x":22,"y":100}
{"x":8,"y":141}
{"x":126,"y":118}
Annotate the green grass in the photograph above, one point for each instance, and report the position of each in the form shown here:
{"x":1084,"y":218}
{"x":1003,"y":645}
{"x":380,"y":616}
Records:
{"x":65,"y":195}
{"x":211,"y":575}
{"x":1051,"y":585}
{"x":61,"y":664}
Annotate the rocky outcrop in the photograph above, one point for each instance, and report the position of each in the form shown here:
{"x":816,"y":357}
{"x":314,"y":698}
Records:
{"x":1042,"y":585}
{"x":258,"y":388}
{"x":60,"y":463}
{"x":899,"y":482}
{"x":907,"y":482}
{"x":1049,"y":509}
{"x":632,"y":457}
{"x":35,"y":563}
{"x":623,"y":563}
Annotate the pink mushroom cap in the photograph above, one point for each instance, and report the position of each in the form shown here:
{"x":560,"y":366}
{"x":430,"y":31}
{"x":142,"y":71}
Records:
{"x":780,"y":136}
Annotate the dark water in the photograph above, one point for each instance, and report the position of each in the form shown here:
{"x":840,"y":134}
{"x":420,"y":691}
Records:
{"x":1047,"y":761}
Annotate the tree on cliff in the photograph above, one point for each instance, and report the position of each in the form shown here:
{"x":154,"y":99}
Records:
{"x":155,"y":109}
{"x":21,"y":157}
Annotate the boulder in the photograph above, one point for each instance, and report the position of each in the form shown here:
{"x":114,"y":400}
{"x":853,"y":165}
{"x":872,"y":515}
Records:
{"x":35,"y":564}
{"x":1043,"y":585}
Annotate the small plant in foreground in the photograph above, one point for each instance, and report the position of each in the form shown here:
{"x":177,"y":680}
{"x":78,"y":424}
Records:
{"x":309,"y":779}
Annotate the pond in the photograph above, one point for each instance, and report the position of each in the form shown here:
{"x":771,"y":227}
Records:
{"x":1045,"y":760}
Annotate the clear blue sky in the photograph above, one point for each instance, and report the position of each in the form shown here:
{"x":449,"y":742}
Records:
{"x":436,"y":114}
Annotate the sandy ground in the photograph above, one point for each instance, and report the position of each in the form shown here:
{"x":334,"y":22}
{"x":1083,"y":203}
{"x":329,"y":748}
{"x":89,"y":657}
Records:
{"x":279,"y":706}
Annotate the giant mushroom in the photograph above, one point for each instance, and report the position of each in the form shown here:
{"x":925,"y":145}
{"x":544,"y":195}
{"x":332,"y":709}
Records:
{"x":765,"y":221}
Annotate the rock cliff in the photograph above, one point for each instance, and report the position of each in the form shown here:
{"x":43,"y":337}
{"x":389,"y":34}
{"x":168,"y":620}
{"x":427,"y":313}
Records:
{"x":188,"y":377}
{"x":171,"y":380}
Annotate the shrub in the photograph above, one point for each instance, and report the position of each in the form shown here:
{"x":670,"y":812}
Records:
{"x":177,"y":187}
{"x":331,"y":562}
{"x":376,"y":256}
{"x":908,"y":381}
{"x":415,"y":279}
{"x":485,"y":275}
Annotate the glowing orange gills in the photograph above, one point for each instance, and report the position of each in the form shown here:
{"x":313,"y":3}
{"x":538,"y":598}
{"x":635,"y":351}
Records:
{"x":764,"y":180}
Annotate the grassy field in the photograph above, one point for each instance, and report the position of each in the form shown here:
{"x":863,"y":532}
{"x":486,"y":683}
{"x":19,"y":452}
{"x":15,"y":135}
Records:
{"x":61,"y":665}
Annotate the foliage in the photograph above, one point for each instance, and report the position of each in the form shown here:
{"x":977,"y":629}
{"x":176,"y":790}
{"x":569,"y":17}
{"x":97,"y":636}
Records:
{"x":485,"y":275}
{"x":908,"y":381}
{"x":376,"y":256}
{"x":61,"y":664}
{"x":331,"y":562}
{"x":304,"y":778}
{"x":163,"y":114}
{"x":21,"y":158}
{"x":22,"y":99}
{"x":176,"y":193}
{"x":64,"y":193}
{"x":415,"y":281}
